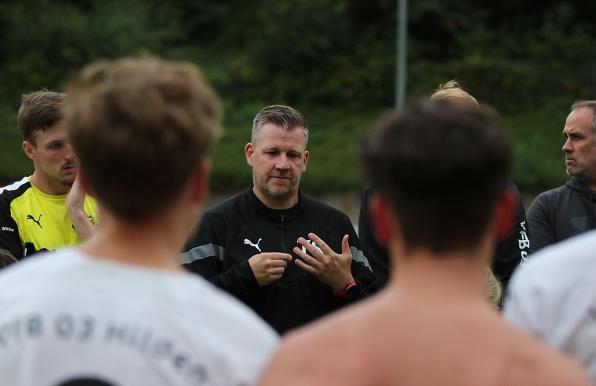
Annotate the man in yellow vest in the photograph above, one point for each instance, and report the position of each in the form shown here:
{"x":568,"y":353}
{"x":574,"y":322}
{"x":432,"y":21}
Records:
{"x":46,"y":210}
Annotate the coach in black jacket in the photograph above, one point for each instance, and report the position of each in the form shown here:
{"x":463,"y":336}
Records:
{"x":290,"y":258}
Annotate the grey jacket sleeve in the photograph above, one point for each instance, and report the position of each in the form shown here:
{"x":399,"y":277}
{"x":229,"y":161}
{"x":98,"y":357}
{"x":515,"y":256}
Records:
{"x":540,"y":223}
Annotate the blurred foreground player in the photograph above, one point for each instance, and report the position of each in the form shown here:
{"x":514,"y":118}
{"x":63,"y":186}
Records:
{"x":120,"y":310}
{"x":441,"y":172}
{"x":511,"y":249}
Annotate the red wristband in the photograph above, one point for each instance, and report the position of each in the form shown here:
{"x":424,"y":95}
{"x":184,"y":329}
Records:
{"x":344,"y":291}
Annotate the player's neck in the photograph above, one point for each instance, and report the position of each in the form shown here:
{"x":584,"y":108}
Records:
{"x":47,"y":186}
{"x":148,"y":244}
{"x":449,"y":278}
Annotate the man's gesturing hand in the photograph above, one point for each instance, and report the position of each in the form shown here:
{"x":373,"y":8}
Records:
{"x":331,"y":268}
{"x":269,"y":266}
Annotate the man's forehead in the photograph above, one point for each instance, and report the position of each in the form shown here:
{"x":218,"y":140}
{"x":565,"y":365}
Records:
{"x":56,"y":132}
{"x":579,"y":119}
{"x":271,"y":134}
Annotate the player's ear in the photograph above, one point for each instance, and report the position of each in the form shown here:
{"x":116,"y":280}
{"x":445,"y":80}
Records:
{"x":249,"y":151}
{"x":200,"y":181}
{"x":506,"y":210}
{"x":29,"y":149}
{"x":380,"y":217}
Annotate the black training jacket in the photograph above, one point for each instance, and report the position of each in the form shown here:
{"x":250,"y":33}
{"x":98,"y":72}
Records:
{"x":242,"y":226}
{"x":509,"y":251}
{"x":560,"y":213}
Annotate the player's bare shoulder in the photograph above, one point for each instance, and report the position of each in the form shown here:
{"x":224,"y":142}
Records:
{"x":327,"y":352}
{"x":533,"y":363}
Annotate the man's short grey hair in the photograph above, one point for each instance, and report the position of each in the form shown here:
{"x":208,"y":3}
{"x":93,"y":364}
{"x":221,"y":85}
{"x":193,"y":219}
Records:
{"x":589,"y":104}
{"x":284,"y":116}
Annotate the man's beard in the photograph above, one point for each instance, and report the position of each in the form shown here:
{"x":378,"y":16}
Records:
{"x":66,"y":180}
{"x":280,"y":193}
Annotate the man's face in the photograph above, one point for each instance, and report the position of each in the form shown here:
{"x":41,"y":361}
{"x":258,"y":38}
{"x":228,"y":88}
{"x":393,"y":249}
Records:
{"x":278,"y":158}
{"x":53,"y":157}
{"x":580,"y":145}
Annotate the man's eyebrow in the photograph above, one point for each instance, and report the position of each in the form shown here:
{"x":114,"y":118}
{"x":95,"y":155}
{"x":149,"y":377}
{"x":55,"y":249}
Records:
{"x":55,"y":142}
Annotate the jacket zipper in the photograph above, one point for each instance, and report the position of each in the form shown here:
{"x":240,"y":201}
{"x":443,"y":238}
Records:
{"x":283,"y":241}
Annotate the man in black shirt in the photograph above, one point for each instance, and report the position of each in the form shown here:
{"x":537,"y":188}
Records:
{"x":290,"y":258}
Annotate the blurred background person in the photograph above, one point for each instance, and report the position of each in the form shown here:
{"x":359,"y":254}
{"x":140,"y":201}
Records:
{"x":35,"y":212}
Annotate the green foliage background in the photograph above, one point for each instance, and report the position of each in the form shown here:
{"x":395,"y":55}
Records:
{"x":332,"y":59}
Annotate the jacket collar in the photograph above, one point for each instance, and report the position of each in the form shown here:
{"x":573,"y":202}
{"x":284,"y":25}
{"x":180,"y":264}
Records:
{"x":264,"y":210}
{"x":578,"y":186}
{"x":587,"y":198}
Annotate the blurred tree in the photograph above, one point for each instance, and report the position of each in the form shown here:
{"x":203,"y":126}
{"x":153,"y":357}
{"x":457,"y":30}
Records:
{"x":333,"y":59}
{"x":43,"y":40}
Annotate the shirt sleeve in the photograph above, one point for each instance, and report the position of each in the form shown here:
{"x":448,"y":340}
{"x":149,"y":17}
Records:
{"x":540,"y":224}
{"x":525,"y":307}
{"x":554,"y":307}
{"x":10,"y":239}
{"x":361,"y":268}
{"x":205,"y":254}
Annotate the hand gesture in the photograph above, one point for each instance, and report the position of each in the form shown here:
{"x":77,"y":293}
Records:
{"x":269,"y":266}
{"x":76,"y":197}
{"x":75,"y":205}
{"x":331,"y":268}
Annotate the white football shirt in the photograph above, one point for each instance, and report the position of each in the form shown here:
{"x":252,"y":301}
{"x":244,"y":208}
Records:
{"x":68,"y":319}
{"x":553,"y":296}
